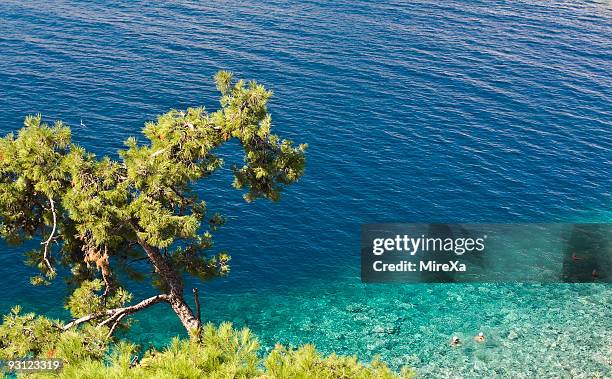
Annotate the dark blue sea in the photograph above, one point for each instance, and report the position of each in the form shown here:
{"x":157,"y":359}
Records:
{"x":454,"y":111}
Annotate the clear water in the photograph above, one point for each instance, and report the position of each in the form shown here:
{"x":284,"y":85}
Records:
{"x":462,"y":110}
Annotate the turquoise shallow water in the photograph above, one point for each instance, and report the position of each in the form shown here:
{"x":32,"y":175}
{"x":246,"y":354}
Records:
{"x":466,"y":111}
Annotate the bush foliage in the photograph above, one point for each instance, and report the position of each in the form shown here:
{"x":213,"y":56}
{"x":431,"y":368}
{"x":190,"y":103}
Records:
{"x":215,"y":352}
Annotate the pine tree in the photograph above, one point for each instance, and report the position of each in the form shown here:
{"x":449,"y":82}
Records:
{"x":94,"y":215}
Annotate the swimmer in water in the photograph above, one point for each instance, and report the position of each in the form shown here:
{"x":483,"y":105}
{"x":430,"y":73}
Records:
{"x":575,"y":257}
{"x":455,"y":341}
{"x":480,"y":337}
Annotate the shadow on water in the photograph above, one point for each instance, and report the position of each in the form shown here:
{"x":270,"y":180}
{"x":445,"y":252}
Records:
{"x":588,"y":254}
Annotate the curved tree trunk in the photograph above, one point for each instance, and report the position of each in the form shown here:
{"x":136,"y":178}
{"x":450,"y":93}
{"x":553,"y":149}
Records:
{"x":184,"y":313}
{"x":175,"y":298}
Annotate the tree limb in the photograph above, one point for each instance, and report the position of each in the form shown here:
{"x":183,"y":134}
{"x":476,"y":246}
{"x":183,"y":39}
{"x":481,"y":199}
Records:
{"x":106,"y":276}
{"x":196,"y":295}
{"x":50,"y":239}
{"x":114,"y":314}
{"x":115,"y":324}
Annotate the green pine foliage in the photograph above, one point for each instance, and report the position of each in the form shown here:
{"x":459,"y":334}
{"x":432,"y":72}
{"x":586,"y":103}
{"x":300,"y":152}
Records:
{"x":215,"y":352}
{"x":85,"y":299}
{"x":29,"y":335}
{"x":306,"y":362}
{"x":96,"y":215}
{"x":98,"y":201}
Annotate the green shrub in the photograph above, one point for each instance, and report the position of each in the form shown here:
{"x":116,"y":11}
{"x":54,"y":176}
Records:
{"x":306,"y":362}
{"x":215,"y":352}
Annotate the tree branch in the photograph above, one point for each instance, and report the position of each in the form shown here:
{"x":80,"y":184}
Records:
{"x":50,"y":239}
{"x":106,"y":276}
{"x":116,"y":313}
{"x":196,"y":295}
{"x":115,"y":324}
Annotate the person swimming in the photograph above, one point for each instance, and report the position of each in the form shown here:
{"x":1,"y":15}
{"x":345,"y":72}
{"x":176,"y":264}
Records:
{"x":575,"y":257}
{"x":480,"y":337}
{"x":455,"y":341}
